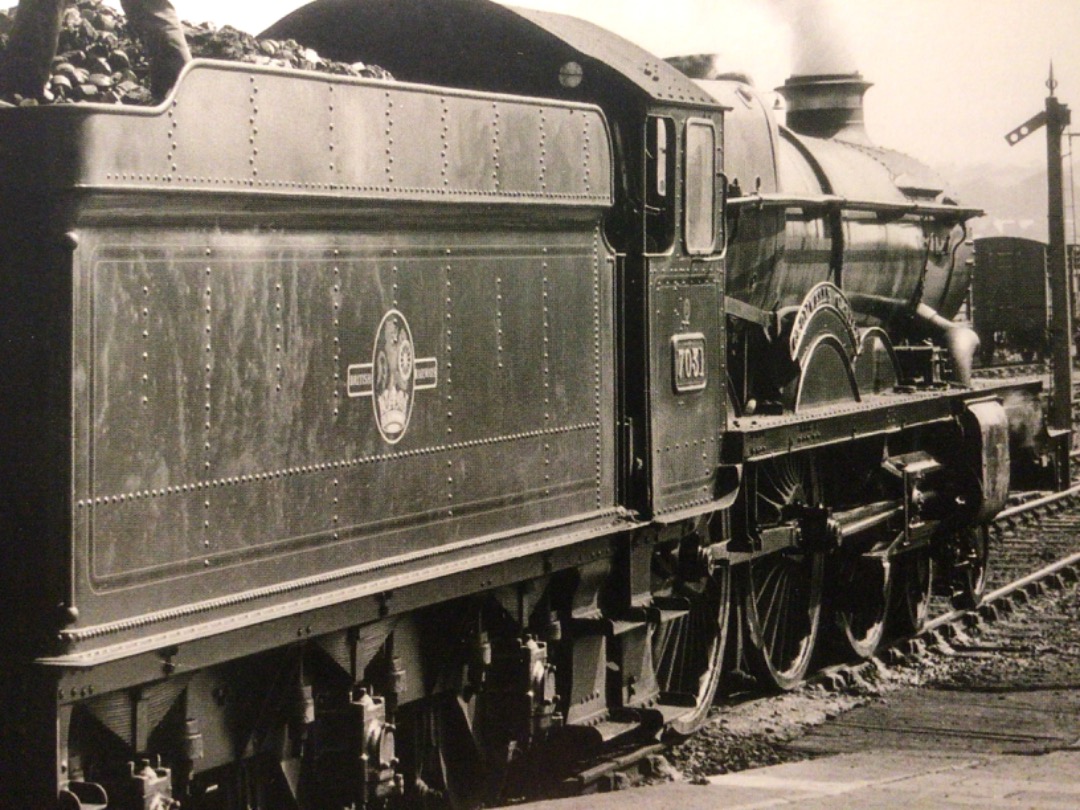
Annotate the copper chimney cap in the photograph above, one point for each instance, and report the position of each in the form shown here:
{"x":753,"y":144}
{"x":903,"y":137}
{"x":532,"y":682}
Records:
{"x":827,"y":106}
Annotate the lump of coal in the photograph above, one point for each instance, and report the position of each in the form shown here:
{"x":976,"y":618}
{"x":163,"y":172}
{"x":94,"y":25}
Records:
{"x":99,"y":59}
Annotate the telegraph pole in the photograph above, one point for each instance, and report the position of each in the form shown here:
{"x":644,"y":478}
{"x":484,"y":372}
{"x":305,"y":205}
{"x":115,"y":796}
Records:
{"x":1056,"y":117}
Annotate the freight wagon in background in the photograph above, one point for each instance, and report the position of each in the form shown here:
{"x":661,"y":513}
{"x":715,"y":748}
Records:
{"x":1009,"y":300}
{"x":371,"y":442}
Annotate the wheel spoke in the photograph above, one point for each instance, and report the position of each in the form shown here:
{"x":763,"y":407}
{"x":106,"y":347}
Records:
{"x":967,"y":579}
{"x":775,"y":587}
{"x":783,"y":588}
{"x":863,"y":586}
{"x":688,"y":651}
{"x":913,"y":581}
{"x":784,"y":613}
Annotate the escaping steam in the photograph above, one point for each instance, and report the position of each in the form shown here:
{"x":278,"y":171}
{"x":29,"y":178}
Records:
{"x":1025,"y":419}
{"x":818,"y":37}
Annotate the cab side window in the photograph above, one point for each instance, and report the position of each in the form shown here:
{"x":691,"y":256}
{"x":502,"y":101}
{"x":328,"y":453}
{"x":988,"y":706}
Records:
{"x":660,"y":148}
{"x":701,"y":202}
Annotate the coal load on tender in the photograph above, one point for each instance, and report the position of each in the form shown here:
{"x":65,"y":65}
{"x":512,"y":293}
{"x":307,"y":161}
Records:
{"x":99,"y":59}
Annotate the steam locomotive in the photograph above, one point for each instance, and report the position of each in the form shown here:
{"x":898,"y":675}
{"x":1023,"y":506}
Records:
{"x":370,"y":442}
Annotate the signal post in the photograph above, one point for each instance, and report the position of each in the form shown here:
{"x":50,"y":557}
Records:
{"x":1056,"y":117}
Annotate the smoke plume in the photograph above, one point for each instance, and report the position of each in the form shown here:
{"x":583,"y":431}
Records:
{"x":818,"y":37}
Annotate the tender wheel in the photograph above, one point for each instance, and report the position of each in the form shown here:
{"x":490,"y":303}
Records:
{"x":861,"y":588}
{"x":783,"y":589}
{"x":967,"y":577}
{"x":913,"y":580}
{"x":688,"y":651}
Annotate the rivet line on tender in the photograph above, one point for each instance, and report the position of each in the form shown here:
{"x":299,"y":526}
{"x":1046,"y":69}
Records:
{"x":145,"y":320}
{"x":543,"y":151}
{"x":389,"y":132}
{"x":597,"y":369}
{"x":336,"y":298}
{"x":254,"y":101}
{"x":330,"y":130}
{"x":587,"y":155}
{"x":207,"y":387}
{"x":334,"y":504}
{"x":344,"y":464}
{"x":546,"y":370}
{"x":445,"y":137}
{"x":449,"y":348}
{"x":495,"y":145}
{"x":340,"y":189}
{"x":170,"y":134}
{"x":499,"y":321}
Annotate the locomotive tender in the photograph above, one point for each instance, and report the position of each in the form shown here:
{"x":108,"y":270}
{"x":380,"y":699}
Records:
{"x":383,"y":441}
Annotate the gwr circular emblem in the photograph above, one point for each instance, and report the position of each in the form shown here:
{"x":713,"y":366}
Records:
{"x":393,"y":376}
{"x":393,"y":384}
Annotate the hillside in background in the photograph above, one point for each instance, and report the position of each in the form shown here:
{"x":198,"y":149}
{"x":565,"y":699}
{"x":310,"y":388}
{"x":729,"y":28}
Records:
{"x":1014,"y":200}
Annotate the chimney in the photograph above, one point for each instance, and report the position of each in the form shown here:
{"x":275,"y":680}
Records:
{"x":827,"y":106}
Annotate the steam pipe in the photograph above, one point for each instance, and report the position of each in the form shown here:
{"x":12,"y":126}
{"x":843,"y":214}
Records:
{"x":960,"y":341}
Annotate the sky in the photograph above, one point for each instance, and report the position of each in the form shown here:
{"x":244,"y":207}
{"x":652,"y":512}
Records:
{"x":950,"y":77}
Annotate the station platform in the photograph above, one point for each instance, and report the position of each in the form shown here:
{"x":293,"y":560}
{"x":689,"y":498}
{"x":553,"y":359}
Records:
{"x":869,"y":780}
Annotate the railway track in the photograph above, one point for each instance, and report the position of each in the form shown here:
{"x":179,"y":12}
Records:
{"x":1010,"y":371}
{"x":1034,"y":546}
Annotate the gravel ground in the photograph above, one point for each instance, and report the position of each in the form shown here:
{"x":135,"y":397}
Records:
{"x":1034,"y":647}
